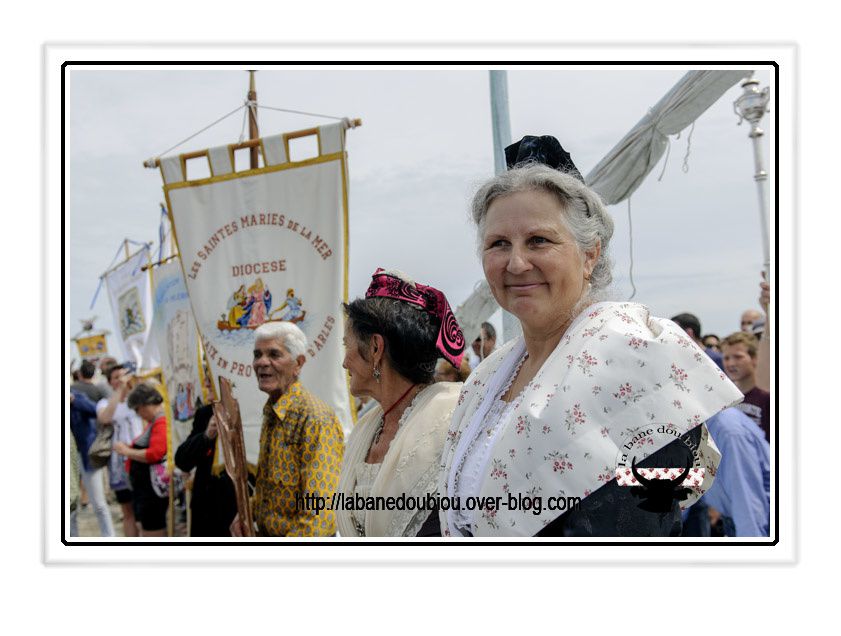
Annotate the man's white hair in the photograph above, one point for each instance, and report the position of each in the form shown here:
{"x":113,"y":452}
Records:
{"x":289,"y":334}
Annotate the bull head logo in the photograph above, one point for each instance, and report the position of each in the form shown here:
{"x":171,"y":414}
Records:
{"x":659,"y":495}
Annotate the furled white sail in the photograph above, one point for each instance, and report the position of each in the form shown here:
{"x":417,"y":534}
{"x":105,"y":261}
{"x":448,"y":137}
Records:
{"x":625,"y":167}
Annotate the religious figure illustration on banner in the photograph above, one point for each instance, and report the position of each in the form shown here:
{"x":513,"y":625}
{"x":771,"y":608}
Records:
{"x":180,"y":380}
{"x":183,"y":405}
{"x":291,"y":308}
{"x":131,"y":313}
{"x":250,"y":307}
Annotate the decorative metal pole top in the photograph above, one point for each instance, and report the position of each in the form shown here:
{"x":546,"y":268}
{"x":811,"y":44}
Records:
{"x":752,"y":104}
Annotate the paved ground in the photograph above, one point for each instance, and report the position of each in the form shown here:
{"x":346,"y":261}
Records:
{"x":88,"y":526}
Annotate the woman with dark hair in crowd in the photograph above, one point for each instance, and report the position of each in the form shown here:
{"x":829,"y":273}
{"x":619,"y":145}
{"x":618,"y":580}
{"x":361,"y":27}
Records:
{"x":393,"y":338}
{"x":146,"y":454}
{"x":590,"y":390}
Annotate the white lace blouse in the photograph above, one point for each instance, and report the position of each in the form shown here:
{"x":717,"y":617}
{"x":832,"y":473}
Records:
{"x":468,"y":479}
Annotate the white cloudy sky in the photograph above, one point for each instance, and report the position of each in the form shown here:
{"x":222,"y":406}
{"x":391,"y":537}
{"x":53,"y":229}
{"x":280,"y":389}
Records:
{"x":424,"y":146}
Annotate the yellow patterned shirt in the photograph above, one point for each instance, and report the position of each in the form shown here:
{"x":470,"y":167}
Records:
{"x":301,"y":447}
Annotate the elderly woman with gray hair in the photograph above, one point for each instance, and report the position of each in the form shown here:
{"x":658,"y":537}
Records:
{"x":561,"y":431}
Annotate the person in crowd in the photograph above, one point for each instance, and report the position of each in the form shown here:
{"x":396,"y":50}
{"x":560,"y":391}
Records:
{"x":758,"y":329}
{"x":550,"y":411}
{"x":147,"y":452}
{"x":446,"y":372}
{"x":740,"y":358}
{"x":83,"y":428}
{"x":763,"y":356}
{"x":483,"y":345}
{"x":213,"y":504}
{"x":749,"y":317}
{"x":86,"y":385}
{"x":741,"y":493}
{"x":392,"y":339}
{"x":692,"y":326}
{"x":75,"y":478}
{"x":105,"y":363}
{"x":114,"y":411}
{"x":301,"y":441}
{"x":712,"y":342}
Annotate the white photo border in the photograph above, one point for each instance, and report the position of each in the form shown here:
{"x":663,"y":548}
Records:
{"x":58,"y":549}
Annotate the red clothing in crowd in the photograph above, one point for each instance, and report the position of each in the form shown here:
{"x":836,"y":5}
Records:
{"x":157,"y":442}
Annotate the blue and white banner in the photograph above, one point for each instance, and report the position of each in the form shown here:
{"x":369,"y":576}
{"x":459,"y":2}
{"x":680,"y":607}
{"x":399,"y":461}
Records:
{"x":174,"y":331}
{"x":131,"y":303}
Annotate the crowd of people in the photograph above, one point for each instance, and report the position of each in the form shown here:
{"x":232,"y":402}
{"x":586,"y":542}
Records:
{"x":550,"y":415}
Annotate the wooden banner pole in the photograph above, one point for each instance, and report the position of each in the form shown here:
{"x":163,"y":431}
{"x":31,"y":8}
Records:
{"x":253,"y":132}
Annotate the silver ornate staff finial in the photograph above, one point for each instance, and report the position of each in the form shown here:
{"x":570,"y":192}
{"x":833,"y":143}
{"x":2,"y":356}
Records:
{"x":752,"y":106}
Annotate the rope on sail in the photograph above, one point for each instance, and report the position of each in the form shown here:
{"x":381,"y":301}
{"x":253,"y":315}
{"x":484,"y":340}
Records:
{"x":180,"y":143}
{"x":666,"y":160}
{"x":631,"y":249}
{"x":244,"y":122}
{"x":298,"y":112}
{"x":250,"y":105}
{"x":688,"y":149}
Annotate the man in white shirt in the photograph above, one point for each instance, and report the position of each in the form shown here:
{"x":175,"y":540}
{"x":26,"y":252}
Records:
{"x":127,"y":425}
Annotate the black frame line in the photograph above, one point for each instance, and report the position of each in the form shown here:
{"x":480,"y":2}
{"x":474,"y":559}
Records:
{"x":443,"y":542}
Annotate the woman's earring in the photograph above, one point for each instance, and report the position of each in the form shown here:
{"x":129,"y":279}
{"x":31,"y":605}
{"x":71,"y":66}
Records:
{"x":377,"y":375}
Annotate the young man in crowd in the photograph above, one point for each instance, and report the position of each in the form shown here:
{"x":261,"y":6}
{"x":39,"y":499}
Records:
{"x":739,"y":350}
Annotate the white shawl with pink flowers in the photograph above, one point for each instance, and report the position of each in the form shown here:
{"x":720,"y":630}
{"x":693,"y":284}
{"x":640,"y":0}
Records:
{"x":617,"y":371}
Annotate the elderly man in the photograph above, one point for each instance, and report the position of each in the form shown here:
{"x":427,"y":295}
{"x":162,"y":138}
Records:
{"x":301,"y":442}
{"x":749,"y":317}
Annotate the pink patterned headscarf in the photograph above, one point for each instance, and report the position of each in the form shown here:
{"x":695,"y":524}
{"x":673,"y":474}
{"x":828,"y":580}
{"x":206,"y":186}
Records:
{"x":450,"y":338}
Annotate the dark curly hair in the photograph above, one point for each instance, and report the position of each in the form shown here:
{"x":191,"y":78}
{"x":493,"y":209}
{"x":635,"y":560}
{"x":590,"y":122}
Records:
{"x":409,"y":332}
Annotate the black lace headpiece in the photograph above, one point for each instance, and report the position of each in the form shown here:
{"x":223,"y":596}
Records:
{"x":544,"y":149}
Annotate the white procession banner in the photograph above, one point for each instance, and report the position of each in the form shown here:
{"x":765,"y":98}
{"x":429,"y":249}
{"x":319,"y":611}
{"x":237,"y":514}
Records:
{"x":174,"y":331}
{"x":131,"y":303}
{"x":267,"y":244}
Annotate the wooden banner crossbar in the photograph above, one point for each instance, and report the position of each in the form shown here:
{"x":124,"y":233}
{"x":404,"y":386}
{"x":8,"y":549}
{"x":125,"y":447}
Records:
{"x":129,"y":256}
{"x":143,"y":268}
{"x":248,"y":144}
